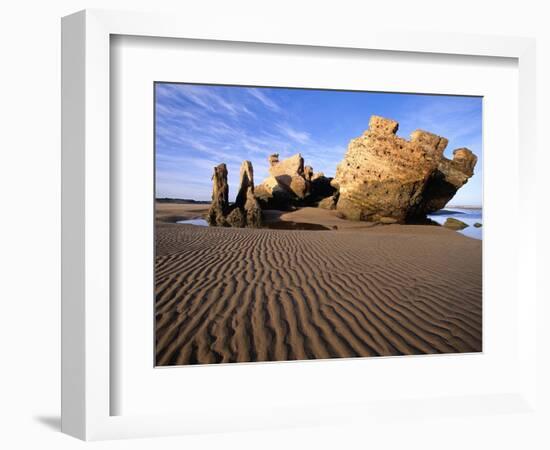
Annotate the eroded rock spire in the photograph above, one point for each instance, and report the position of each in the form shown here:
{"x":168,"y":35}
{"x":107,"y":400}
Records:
{"x":220,"y":196}
{"x":246,"y":211}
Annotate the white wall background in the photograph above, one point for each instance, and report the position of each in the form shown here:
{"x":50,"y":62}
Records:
{"x":29,"y":225}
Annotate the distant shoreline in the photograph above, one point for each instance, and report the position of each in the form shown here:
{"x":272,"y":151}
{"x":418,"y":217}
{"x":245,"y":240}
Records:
{"x":183,"y":201}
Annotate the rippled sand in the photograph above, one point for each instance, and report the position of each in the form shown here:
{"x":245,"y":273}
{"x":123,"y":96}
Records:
{"x":234,"y":295}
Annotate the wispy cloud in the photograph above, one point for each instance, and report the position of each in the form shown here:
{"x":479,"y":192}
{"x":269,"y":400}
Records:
{"x":301,"y":137}
{"x":204,"y":96}
{"x":264,"y":99}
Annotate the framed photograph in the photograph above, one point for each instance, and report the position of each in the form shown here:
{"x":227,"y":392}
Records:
{"x":268,"y":228}
{"x":337,"y":253}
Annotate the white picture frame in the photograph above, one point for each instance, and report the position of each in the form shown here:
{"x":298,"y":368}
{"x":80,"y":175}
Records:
{"x":86,"y":221}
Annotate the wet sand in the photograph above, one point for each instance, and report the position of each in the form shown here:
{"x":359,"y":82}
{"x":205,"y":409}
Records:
{"x":173,"y":212}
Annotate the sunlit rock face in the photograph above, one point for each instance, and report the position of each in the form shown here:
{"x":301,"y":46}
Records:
{"x":289,"y":174}
{"x":385,"y":178}
{"x":291,"y":184}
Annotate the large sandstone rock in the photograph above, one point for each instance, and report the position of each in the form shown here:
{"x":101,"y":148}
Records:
{"x":291,"y":166}
{"x":286,"y":182}
{"x":290,"y":183}
{"x":273,"y":195}
{"x":387,"y":177}
{"x":290,"y":174}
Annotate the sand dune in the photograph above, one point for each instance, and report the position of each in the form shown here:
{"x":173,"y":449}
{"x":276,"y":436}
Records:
{"x":234,"y":295}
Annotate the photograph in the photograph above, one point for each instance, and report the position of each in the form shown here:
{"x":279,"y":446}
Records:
{"x":297,"y":223}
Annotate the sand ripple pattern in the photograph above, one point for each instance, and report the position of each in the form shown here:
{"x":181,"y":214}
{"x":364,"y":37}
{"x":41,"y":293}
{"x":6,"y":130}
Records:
{"x":239,"y":295}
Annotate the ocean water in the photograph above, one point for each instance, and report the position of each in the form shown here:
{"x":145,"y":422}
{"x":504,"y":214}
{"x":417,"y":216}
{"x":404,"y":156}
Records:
{"x":466,"y":215}
{"x":198,"y":222}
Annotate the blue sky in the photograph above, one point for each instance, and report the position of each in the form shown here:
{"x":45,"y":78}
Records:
{"x":200,"y":126}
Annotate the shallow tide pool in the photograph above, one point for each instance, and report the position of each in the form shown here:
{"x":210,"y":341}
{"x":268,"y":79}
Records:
{"x":198,"y":222}
{"x":468,"y":216}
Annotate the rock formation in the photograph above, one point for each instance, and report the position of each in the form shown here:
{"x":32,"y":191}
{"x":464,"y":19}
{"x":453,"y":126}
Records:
{"x":246,"y":200}
{"x":329,"y":202}
{"x":220,"y":196}
{"x":382,"y":178}
{"x":246,"y":183}
{"x":385,"y":178}
{"x":455,"y":224}
{"x":445,"y":181}
{"x":246,"y":211}
{"x":286,"y":182}
{"x":290,"y":183}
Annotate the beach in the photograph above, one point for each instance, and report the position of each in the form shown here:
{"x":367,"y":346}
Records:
{"x":228,"y":295}
{"x":174,"y":212}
